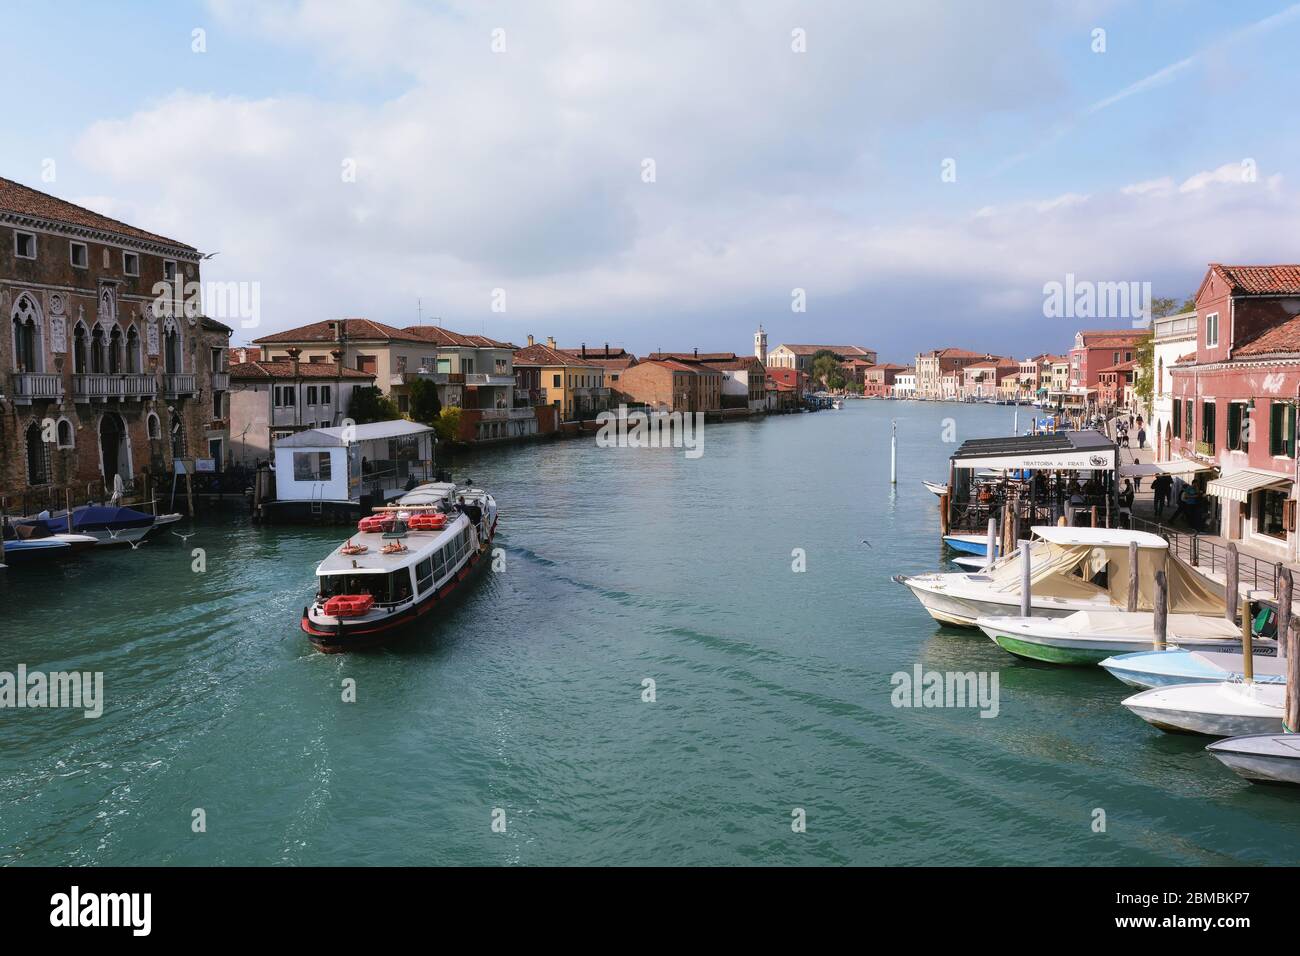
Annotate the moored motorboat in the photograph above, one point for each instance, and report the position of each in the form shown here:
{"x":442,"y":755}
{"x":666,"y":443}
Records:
{"x":935,"y":487}
{"x":1225,"y":709}
{"x":108,"y":525}
{"x":1178,"y":665}
{"x":1090,"y":637}
{"x":1261,"y":758}
{"x":404,"y":561}
{"x":1072,"y":569}
{"x":26,"y":545}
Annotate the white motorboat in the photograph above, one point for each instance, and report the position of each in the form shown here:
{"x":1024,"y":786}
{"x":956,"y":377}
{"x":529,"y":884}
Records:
{"x":935,"y":487}
{"x":1179,"y":665}
{"x":403,"y":562}
{"x":1072,"y":569}
{"x":1090,"y":637}
{"x":1261,"y":758}
{"x":107,"y":524}
{"x":1225,"y":709}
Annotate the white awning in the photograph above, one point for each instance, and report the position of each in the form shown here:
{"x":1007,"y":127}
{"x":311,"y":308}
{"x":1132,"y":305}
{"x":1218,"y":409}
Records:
{"x":1238,"y":485}
{"x":1175,"y":466}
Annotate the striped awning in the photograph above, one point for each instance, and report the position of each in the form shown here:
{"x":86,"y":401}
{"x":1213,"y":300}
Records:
{"x":1238,"y":485}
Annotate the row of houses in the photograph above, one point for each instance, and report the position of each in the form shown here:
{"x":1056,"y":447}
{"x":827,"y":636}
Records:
{"x":110,"y":382}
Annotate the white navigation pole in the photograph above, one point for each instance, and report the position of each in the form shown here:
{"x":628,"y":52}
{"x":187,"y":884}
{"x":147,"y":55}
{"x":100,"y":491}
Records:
{"x":1015,"y":422}
{"x":893,"y":452}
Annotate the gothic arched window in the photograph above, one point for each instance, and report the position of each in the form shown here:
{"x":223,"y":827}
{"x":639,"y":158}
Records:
{"x":28,"y":355}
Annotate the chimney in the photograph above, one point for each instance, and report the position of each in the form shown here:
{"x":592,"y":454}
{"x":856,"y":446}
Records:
{"x":697,"y":353}
{"x":584,"y":349}
{"x":550,"y":341}
{"x":530,"y":340}
{"x":294,"y":352}
{"x":606,"y":350}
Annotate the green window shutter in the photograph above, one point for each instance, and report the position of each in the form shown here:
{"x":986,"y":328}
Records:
{"x":1290,"y":431}
{"x":1274,"y":429}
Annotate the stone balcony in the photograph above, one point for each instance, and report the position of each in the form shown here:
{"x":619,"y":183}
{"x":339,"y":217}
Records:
{"x":35,"y":386}
{"x":117,"y":386}
{"x":220,"y":381}
{"x":179,"y":385}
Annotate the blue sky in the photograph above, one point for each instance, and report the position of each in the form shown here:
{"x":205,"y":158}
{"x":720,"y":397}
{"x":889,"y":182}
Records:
{"x":521,"y":170}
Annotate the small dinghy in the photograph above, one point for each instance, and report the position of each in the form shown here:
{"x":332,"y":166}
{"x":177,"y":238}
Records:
{"x":1179,"y":665}
{"x":1261,"y":758}
{"x":935,"y":487}
{"x":1089,"y":637}
{"x":968,"y":543}
{"x":1225,"y":709}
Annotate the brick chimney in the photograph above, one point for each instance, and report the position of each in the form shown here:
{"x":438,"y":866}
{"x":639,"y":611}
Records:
{"x":584,"y":349}
{"x":697,"y":353}
{"x":550,"y":341}
{"x":530,"y":340}
{"x":294,"y":352}
{"x":606,"y":350}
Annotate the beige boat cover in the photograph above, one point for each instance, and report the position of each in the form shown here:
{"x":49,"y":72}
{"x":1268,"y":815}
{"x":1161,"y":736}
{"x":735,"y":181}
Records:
{"x":1060,"y":571}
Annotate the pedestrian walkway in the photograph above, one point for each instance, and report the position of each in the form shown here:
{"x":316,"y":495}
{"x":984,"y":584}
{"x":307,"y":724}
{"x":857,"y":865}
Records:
{"x":1257,"y":567}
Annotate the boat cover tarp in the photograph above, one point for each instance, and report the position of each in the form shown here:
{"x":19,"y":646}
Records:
{"x":95,"y":518}
{"x":1067,"y":571}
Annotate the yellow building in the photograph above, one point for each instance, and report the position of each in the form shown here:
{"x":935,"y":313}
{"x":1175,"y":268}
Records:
{"x":548,"y":376}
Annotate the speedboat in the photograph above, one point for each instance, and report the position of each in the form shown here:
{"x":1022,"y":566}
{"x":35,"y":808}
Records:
{"x":1180,"y":665}
{"x":1225,"y":709}
{"x":403,"y":563}
{"x":1090,"y":637}
{"x":106,"y":524}
{"x":1072,"y":569}
{"x":935,"y":487}
{"x":1261,"y":758}
{"x":25,"y":544}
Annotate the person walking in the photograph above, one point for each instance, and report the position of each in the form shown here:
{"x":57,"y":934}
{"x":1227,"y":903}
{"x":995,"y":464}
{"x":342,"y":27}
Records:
{"x":1160,"y":489}
{"x":1142,"y":436}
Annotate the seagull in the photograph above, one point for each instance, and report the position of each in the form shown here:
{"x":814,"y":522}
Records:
{"x":866,"y":542}
{"x":184,"y":537}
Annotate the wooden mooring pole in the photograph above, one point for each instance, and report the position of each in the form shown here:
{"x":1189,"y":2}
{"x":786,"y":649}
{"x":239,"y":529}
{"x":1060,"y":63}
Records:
{"x":1026,"y":600}
{"x":1292,"y":636}
{"x":1247,"y":651}
{"x":1161,"y":621}
{"x":1283,"y":613}
{"x":992,"y":548}
{"x":1230,"y":584}
{"x":1132,"y":576}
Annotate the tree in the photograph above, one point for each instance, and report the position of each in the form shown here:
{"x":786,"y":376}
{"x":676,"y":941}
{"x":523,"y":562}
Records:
{"x":1144,"y":370}
{"x":369,"y":404}
{"x":425,"y":407}
{"x":826,"y":369}
{"x":1162,"y":306}
{"x":447,"y":426}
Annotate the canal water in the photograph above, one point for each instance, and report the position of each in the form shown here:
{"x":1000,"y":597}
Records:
{"x":772,"y":688}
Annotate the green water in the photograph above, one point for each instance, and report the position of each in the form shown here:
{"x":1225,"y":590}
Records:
{"x":773,"y":688}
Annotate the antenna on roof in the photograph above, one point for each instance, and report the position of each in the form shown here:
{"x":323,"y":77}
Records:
{"x":419,"y":311}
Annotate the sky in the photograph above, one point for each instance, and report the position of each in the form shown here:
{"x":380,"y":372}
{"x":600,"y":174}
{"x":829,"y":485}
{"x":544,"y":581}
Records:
{"x":669,"y":175}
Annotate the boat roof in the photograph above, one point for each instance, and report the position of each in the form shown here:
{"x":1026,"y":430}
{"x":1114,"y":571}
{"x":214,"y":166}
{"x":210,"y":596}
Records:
{"x":1099,"y":537}
{"x":419,"y":545}
{"x":1068,"y":450}
{"x":341,"y":436}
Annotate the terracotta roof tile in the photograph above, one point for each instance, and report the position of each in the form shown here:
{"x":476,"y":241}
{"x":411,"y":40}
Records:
{"x":1260,"y":280}
{"x":1281,"y":339}
{"x":262,"y":371}
{"x":17,"y":198}
{"x":437,"y":335}
{"x":357,"y":330}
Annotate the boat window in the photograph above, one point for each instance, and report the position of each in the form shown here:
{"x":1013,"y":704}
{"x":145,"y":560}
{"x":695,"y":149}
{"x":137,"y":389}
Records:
{"x":424,"y":575}
{"x":439,"y":564}
{"x":400,"y":585}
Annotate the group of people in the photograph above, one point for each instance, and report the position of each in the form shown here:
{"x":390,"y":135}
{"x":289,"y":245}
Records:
{"x":1189,"y":500}
{"x":1135,"y":424}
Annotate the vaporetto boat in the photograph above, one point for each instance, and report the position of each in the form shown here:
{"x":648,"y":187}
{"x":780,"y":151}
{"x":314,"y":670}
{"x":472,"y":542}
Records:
{"x":403,"y":563}
{"x":1072,"y":569}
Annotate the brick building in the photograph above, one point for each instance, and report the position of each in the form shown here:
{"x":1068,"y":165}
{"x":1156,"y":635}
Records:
{"x":672,"y":385}
{"x":99,"y":382}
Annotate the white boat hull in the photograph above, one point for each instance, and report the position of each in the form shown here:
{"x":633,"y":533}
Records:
{"x":949,"y":607}
{"x":1215,"y":710}
{"x":1265,"y":759}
